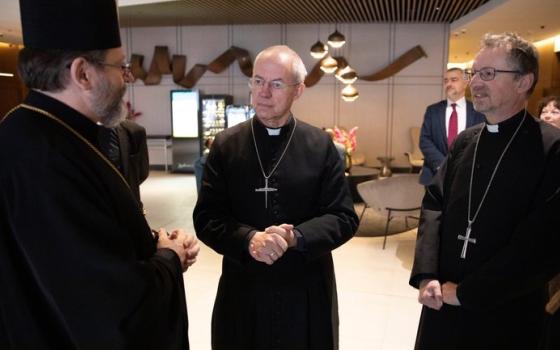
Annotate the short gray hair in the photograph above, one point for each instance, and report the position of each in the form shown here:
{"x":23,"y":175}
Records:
{"x":521,"y":53}
{"x":47,"y":69}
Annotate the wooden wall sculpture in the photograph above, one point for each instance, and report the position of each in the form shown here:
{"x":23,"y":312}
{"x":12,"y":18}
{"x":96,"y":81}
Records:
{"x":161,"y":65}
{"x":396,"y":66}
{"x":177,"y":66}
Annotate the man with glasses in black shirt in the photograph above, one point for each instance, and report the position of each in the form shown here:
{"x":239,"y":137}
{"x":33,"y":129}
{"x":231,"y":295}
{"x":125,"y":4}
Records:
{"x":487,"y":243}
{"x":274,"y":202}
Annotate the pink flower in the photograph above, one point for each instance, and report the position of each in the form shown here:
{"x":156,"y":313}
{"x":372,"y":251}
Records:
{"x":132,"y":114}
{"x":346,"y":138}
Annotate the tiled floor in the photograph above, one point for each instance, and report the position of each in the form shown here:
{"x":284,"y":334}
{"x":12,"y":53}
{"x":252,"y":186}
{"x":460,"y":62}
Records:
{"x":378,"y":310}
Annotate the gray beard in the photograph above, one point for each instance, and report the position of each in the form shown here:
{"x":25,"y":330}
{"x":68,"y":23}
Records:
{"x":108,"y":104}
{"x":115,"y":115}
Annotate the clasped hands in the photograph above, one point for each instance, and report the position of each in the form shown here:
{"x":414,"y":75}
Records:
{"x":269,"y":245}
{"x":185,"y":245}
{"x":433,"y":295}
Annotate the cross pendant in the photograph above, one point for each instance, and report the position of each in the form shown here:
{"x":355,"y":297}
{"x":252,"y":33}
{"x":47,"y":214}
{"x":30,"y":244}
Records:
{"x":466,"y":240}
{"x":266,"y":189}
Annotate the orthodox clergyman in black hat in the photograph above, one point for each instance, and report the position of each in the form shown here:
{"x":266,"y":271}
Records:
{"x":79,"y":267}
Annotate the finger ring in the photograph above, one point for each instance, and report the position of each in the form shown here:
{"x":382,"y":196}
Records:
{"x":271,"y":255}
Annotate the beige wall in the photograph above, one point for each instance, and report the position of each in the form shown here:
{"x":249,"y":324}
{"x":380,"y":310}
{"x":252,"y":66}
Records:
{"x":384,"y":112}
{"x":549,"y":75}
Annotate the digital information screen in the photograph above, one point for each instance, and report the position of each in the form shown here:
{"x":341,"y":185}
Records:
{"x":184,"y":113}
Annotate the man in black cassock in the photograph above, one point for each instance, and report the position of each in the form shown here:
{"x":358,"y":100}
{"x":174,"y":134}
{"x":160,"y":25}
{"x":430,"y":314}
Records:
{"x":488,"y":238}
{"x":79,"y":267}
{"x":275,"y":203}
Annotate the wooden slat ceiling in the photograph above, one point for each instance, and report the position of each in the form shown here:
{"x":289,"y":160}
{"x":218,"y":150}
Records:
{"x":212,"y":12}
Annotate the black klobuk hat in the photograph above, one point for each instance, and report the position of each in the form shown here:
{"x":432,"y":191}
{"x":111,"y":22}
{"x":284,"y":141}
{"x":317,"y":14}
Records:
{"x":70,"y":24}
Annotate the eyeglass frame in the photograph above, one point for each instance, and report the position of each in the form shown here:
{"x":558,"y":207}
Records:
{"x":125,"y":67}
{"x":280,"y":84}
{"x":470,"y":73}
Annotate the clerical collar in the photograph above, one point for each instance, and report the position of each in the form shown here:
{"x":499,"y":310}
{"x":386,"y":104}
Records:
{"x":509,"y":124}
{"x":273,"y":131}
{"x":281,"y":131}
{"x":493,"y":128}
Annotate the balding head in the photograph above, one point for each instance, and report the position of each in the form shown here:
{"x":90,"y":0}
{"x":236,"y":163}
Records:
{"x":277,"y":82}
{"x":282,"y":54}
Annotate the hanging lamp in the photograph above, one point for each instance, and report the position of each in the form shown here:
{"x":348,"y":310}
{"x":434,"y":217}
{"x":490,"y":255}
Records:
{"x":347,"y":75}
{"x":336,"y":39}
{"x":319,"y":50}
{"x":329,"y":64}
{"x":350,"y":93}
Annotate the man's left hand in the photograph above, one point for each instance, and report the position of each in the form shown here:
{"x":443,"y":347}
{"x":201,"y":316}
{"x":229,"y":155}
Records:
{"x":449,"y":291}
{"x":285,"y":231}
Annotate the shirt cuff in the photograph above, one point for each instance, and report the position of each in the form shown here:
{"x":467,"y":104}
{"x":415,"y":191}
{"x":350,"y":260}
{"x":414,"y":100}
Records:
{"x":300,"y":241}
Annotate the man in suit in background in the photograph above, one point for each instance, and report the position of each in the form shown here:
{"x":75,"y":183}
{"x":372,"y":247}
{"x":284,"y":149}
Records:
{"x":126,"y":146}
{"x":443,"y":121}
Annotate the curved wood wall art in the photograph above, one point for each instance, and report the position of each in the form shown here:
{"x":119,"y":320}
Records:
{"x":396,"y":66}
{"x":162,"y":65}
{"x":177,"y":67}
{"x":406,"y":59}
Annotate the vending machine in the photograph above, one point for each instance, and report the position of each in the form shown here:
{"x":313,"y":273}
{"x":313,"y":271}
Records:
{"x":213,"y":115}
{"x":236,"y":114}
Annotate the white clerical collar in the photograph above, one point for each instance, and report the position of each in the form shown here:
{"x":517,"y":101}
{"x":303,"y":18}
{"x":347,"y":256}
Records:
{"x":273,"y":131}
{"x":493,"y":128}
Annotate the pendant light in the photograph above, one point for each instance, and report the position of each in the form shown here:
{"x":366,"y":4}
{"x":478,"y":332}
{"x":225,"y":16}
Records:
{"x":319,"y":50}
{"x":336,"y":39}
{"x":329,"y":64}
{"x":350,"y":93}
{"x":347,"y":75}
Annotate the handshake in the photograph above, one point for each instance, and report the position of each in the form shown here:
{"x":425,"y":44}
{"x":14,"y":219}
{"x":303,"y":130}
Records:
{"x":185,"y":245}
{"x":269,"y":245}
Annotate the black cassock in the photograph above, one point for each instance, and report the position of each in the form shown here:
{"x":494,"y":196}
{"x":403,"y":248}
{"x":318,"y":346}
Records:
{"x":501,"y":282}
{"x":291,"y":304}
{"x":79,"y":268}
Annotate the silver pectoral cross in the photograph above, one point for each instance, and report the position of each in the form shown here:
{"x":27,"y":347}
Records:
{"x":466,"y":240}
{"x":266,"y":189}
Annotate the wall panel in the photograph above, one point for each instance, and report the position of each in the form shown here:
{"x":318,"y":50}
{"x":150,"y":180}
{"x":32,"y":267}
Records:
{"x":384,"y":112}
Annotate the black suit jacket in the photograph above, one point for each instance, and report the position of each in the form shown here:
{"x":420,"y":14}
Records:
{"x":133,"y":147}
{"x":433,"y":137}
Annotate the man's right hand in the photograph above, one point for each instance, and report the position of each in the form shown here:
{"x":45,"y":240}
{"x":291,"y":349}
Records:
{"x":267,"y":247}
{"x":174,"y":241}
{"x":430,"y":294}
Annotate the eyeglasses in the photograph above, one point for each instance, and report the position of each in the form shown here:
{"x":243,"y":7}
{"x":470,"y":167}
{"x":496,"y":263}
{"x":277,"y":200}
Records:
{"x":487,"y":73}
{"x":257,"y":83}
{"x":126,"y":67}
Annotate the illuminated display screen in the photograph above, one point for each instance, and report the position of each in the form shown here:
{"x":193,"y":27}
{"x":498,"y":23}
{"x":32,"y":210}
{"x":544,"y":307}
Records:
{"x":184,"y":113}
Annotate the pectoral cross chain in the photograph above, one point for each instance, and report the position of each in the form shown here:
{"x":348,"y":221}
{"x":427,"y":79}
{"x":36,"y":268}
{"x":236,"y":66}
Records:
{"x":266,"y":189}
{"x":466,"y":240}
